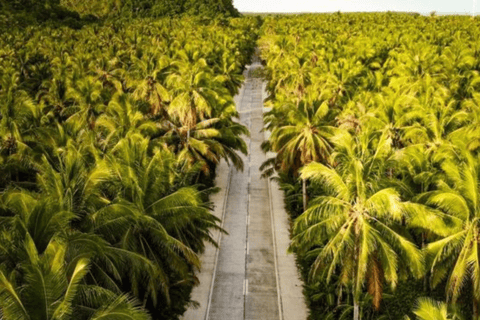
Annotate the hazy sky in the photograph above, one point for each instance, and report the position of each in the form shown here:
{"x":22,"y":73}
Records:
{"x":422,"y":6}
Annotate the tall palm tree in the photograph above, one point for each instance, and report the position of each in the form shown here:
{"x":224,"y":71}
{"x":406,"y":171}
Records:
{"x":428,"y":309}
{"x":303,"y":138}
{"x":17,"y":109}
{"x":209,"y":141}
{"x":89,"y":104}
{"x":43,"y":289}
{"x":19,"y":118}
{"x":150,"y":182}
{"x":153,"y":216}
{"x":195,"y":92}
{"x":396,"y":112}
{"x":122,"y":117}
{"x":45,"y":221}
{"x":147,"y":79}
{"x":351,"y":229}
{"x":456,"y":255}
{"x":297,"y":76}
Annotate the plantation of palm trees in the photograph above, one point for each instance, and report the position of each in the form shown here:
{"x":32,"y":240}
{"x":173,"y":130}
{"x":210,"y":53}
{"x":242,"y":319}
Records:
{"x":109,"y":140}
{"x":113,"y":121}
{"x":374,"y":122}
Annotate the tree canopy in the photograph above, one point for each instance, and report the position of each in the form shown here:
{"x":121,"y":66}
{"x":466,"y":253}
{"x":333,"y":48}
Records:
{"x":374,"y":117}
{"x":109,"y":140}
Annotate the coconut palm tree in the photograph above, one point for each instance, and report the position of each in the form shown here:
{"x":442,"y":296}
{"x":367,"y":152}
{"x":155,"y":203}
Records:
{"x":396,"y":112}
{"x":151,"y":184}
{"x":351,"y":229}
{"x":17,"y":109}
{"x":196,"y":93}
{"x":303,"y":138}
{"x":42,"y":288}
{"x":153,"y":216}
{"x":19,"y":119}
{"x":45,"y":270}
{"x":209,"y":141}
{"x":455,"y":255}
{"x":429,"y":309}
{"x":122,"y":117}
{"x":298,"y":74}
{"x":232,"y":78}
{"x":89,"y":104}
{"x":73,"y":178}
{"x":147,"y":79}
{"x":44,"y":221}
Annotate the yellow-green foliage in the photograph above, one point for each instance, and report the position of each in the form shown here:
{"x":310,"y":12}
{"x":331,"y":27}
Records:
{"x":383,"y":112}
{"x":155,"y":8}
{"x":109,"y":137}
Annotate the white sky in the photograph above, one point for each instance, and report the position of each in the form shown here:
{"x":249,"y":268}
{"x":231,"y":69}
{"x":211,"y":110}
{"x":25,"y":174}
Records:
{"x":421,"y":6}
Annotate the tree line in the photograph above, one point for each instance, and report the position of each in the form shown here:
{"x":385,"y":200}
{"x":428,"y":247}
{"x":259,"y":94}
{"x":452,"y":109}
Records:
{"x":153,"y":8}
{"x":76,"y":13}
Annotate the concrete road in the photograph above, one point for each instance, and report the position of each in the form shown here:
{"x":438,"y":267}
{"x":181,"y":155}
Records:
{"x":241,"y":280}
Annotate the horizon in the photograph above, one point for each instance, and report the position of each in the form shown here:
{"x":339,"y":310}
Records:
{"x":424,"y":7}
{"x":393,"y":11}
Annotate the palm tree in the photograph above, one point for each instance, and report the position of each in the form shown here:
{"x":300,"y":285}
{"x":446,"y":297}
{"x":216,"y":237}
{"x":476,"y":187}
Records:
{"x":73,"y":178}
{"x":456,"y":255}
{"x":122,"y":117}
{"x":297,"y":76}
{"x":195,"y":93}
{"x":45,"y":267}
{"x":351,"y":229}
{"x":89,"y":104}
{"x":209,"y":141}
{"x":428,"y":309}
{"x":230,"y":69}
{"x":303,"y":138}
{"x":17,"y":108}
{"x":43,"y":289}
{"x":153,"y":216}
{"x":44,"y":221}
{"x":150,"y":182}
{"x":147,"y":80}
{"x":19,"y":119}
{"x":397,"y":113}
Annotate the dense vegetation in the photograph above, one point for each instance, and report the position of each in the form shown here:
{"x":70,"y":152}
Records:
{"x":76,"y":13}
{"x":152,"y":8}
{"x":109,"y":138}
{"x":110,"y":133}
{"x":21,"y":13}
{"x":375,"y":120}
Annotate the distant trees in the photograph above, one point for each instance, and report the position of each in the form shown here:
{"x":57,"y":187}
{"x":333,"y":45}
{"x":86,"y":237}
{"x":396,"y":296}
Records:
{"x":28,"y":4}
{"x":156,"y":8}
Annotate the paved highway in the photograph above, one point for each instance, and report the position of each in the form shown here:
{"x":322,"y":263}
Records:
{"x":240,"y":280}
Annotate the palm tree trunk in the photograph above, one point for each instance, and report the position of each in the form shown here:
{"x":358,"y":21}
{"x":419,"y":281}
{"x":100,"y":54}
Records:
{"x":304,"y":193}
{"x":356,"y":295}
{"x":339,"y":297}
{"x":356,"y":309}
{"x":425,"y":279}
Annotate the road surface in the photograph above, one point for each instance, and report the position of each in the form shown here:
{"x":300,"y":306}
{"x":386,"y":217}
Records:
{"x":250,"y":276}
